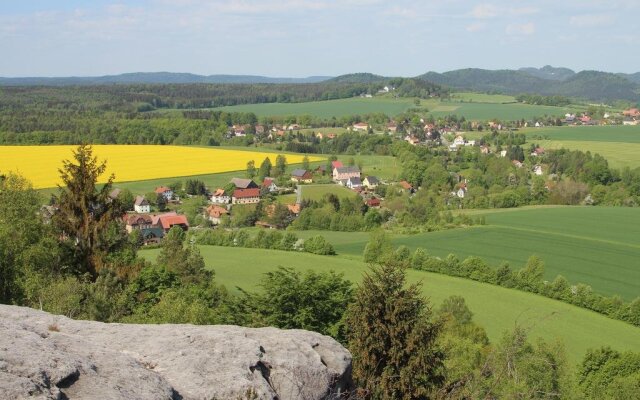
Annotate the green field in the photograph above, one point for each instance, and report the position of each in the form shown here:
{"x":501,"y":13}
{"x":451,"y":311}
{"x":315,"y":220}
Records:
{"x":328,"y":108}
{"x":619,"y":155}
{"x":611,"y":133}
{"x":620,"y":145}
{"x":496,"y":309}
{"x":487,"y":111}
{"x":471,"y":97}
{"x":317,"y":192}
{"x":593,"y":245}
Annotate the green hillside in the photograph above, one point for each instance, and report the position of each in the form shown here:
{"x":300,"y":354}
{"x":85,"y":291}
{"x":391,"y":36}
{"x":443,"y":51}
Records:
{"x":496,"y":309}
{"x":593,"y":245}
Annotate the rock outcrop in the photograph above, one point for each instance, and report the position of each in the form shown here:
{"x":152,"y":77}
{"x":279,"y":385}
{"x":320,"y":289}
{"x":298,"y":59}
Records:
{"x":46,"y":356}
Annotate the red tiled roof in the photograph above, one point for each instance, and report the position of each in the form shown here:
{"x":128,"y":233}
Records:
{"x":136,"y":219}
{"x":219,"y":192}
{"x":162,"y":189}
{"x":267,"y":182}
{"x":336,"y":164}
{"x":155,"y":218}
{"x":216,"y":211}
{"x":246,"y":193}
{"x":294,"y":208}
{"x":373,"y":202}
{"x":406,"y":185}
{"x":168,"y":221}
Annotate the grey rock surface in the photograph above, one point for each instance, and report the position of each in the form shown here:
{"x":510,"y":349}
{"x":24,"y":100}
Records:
{"x":45,"y":356}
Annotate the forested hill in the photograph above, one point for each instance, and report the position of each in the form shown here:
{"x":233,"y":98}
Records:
{"x":154,"y":77}
{"x":592,"y":85}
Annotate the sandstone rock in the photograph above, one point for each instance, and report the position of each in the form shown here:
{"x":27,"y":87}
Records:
{"x":46,"y":356}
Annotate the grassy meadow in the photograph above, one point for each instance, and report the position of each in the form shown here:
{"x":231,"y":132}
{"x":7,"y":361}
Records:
{"x":487,"y":111}
{"x":472,"y":106}
{"x":620,"y":145}
{"x":317,"y":192}
{"x":328,"y":108}
{"x":40,"y":164}
{"x":496,"y":309}
{"x":593,"y":245}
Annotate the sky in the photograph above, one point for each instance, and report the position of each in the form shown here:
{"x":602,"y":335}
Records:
{"x":299,"y":38}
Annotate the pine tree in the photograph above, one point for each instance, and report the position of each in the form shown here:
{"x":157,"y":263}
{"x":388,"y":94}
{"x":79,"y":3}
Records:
{"x":392,"y":337}
{"x":87,"y":218}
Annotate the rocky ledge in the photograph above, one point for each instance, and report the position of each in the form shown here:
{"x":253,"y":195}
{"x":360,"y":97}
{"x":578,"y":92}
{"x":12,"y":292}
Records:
{"x":47,"y":356}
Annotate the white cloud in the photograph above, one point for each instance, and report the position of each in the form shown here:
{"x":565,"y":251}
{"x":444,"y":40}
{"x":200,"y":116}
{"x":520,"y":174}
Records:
{"x":521,"y":29}
{"x":523,"y":11}
{"x":476,"y":27}
{"x":483,"y":11}
{"x":591,"y":20}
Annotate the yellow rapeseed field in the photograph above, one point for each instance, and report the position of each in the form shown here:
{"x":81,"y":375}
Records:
{"x":40,"y":164}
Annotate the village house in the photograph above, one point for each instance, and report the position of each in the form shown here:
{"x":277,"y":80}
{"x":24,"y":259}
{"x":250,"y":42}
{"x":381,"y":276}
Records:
{"x":373,"y":202}
{"x":538,"y":151}
{"x":150,"y":232}
{"x":294,"y":209}
{"x":336,"y":164}
{"x":343,"y":173}
{"x":141,"y":205}
{"x":407,"y":186}
{"x":165,"y":191}
{"x":392,"y":127}
{"x":301,"y":176}
{"x":360,"y":127}
{"x":214,"y":213}
{"x":246,"y":196}
{"x":353,"y":183}
{"x":630,"y":121}
{"x":370,"y":182}
{"x":115,"y":193}
{"x":412,"y":140}
{"x":632,"y":113}
{"x":169,"y":220}
{"x":516,"y":163}
{"x":458,"y":141}
{"x":537,"y":170}
{"x":269,"y":185}
{"x":219,"y":197}
{"x":260,"y":129}
{"x":241,"y":183}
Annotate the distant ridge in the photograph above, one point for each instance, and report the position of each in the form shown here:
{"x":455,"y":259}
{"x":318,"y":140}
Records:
{"x":154,"y":78}
{"x":548,"y":80}
{"x":360,"y":77}
{"x":591,"y":85}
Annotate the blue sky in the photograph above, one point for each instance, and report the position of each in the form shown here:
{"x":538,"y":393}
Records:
{"x":314,"y":37}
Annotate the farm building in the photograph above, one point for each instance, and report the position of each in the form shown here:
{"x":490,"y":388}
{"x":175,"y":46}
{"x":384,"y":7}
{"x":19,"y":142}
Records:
{"x":165,"y":191}
{"x":301,"y":176}
{"x":246,"y":196}
{"x":214,"y":213}
{"x":220,"y":197}
{"x":141,"y":205}
{"x":269,"y":185}
{"x":344,"y":173}
{"x":370,"y":182}
{"x":241,"y":183}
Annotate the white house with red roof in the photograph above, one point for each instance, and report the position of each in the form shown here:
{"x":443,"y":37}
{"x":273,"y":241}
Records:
{"x":220,"y":197}
{"x":245,"y":196}
{"x":165,"y":191}
{"x":270,"y":185}
{"x":360,"y":126}
{"x":214,"y":213}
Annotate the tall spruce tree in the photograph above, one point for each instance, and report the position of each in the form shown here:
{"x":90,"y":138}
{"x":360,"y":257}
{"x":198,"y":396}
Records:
{"x":87,"y":218}
{"x":392,"y":337}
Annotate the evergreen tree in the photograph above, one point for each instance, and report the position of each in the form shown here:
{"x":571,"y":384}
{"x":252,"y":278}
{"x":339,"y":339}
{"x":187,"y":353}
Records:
{"x":392,"y":337}
{"x":281,"y":165}
{"x":87,"y":219}
{"x":265,"y":169}
{"x":251,"y":169}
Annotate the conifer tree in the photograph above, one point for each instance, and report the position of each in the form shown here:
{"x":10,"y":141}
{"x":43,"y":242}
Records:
{"x":392,"y":337}
{"x":87,"y":218}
